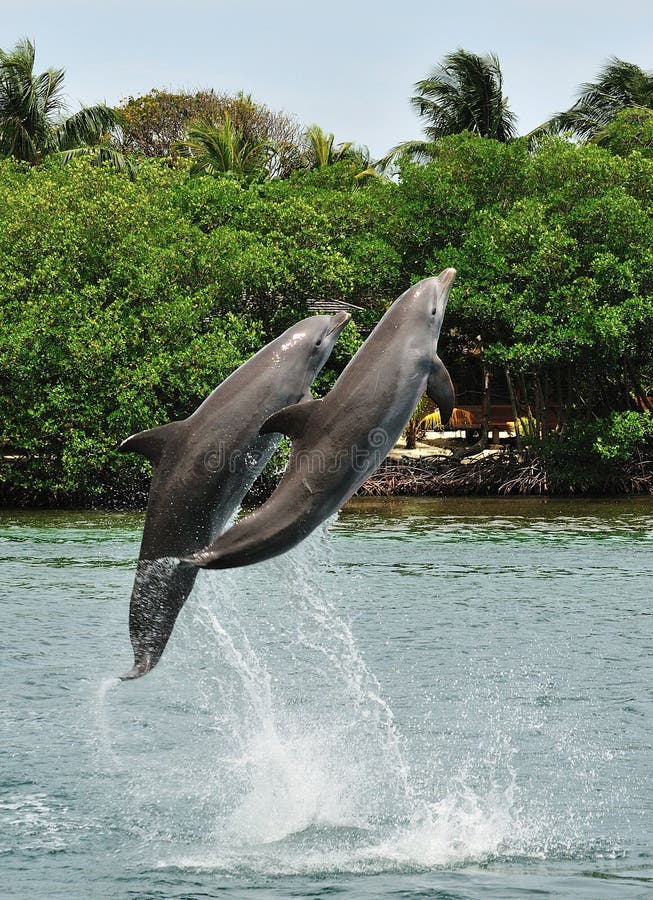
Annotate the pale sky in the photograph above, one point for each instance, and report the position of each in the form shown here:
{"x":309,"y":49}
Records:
{"x":348,"y":66}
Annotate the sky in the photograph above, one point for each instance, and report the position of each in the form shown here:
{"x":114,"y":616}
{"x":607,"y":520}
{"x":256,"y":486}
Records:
{"x":348,"y":66}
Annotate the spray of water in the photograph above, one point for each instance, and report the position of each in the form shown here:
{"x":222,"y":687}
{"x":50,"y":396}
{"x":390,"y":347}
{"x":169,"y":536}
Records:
{"x":279,"y":738}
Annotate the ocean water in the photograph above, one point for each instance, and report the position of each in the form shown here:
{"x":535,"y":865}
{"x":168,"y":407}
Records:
{"x":427,"y":699}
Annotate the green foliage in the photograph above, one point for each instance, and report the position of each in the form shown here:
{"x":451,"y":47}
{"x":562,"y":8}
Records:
{"x":157,"y":123}
{"x":123,"y":303}
{"x":32,"y":124}
{"x":590,"y":454}
{"x":465,"y":93}
{"x":106,"y":325}
{"x":630,"y":131}
{"x":555,"y":273}
{"x":625,"y":433}
{"x":216,"y":149}
{"x":321,"y":152}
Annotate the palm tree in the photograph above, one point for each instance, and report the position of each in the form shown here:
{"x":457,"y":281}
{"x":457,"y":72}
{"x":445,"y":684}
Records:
{"x":322,"y":151}
{"x":465,"y":93}
{"x":620,"y":85}
{"x":32,"y":122}
{"x":220,"y":148}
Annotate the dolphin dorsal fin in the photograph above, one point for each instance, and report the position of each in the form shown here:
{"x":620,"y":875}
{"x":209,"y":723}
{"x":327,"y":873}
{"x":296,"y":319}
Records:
{"x":291,"y":420}
{"x":151,"y":442}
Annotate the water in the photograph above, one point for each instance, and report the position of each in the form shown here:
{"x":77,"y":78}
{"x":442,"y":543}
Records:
{"x":442,"y":699}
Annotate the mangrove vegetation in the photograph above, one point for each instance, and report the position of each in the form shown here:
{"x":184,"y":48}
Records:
{"x":128,"y":291}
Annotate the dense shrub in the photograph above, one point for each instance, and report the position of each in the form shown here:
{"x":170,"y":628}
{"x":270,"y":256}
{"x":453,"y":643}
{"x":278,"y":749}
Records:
{"x":589,"y":456}
{"x":123,"y":303}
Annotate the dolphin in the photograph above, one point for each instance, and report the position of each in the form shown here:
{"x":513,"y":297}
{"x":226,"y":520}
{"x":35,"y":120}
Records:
{"x":339,"y":441}
{"x":204,"y":465}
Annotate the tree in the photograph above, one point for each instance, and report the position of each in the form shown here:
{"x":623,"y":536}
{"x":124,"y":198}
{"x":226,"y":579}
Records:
{"x":632,"y":129}
{"x":216,"y":149}
{"x":154,"y":123}
{"x":620,"y":85}
{"x":465,"y":93}
{"x":157,"y":123}
{"x":321,"y":151}
{"x":257,"y":122}
{"x":31,"y":115}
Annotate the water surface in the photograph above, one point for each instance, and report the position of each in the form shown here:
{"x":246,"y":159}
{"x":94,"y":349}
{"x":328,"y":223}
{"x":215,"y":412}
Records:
{"x":430,"y":698}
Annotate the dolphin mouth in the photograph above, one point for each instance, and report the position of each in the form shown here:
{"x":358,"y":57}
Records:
{"x":339,"y":321}
{"x":445,"y":279}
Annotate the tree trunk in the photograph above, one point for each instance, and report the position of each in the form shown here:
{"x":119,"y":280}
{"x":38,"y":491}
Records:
{"x":546,"y":393}
{"x":513,"y":404}
{"x":540,"y":410}
{"x":529,"y":411}
{"x":481,"y":444}
{"x":485,"y":424}
{"x":411,"y":435}
{"x":642,"y":399}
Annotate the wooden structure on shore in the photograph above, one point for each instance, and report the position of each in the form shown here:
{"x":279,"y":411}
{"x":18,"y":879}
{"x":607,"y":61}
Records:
{"x":500,"y":419}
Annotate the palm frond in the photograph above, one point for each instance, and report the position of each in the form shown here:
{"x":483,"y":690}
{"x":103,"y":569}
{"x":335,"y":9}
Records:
{"x":432,"y":422}
{"x":31,"y":113}
{"x":465,"y":93}
{"x":48,"y":87}
{"x":460,"y":418}
{"x":619,"y":85}
{"x":320,"y":146}
{"x":216,"y":149}
{"x":87,"y":126}
{"x":100,"y":154}
{"x":418,"y":151}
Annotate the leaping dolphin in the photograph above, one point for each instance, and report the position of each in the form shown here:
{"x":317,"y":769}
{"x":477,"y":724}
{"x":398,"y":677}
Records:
{"x":204,"y":465}
{"x":337,"y":442}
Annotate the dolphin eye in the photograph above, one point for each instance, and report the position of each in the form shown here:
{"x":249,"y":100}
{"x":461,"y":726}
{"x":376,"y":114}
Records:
{"x":318,"y":342}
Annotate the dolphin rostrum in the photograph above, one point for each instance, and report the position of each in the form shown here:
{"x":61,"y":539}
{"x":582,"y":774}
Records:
{"x":337,"y":442}
{"x":204,"y":465}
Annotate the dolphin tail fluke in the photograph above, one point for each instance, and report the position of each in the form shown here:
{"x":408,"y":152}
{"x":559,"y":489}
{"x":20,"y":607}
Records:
{"x":160,"y":590}
{"x":441,"y":390}
{"x":142,"y":665}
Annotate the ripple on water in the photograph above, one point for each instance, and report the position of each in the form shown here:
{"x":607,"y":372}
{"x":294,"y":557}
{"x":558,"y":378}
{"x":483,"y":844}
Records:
{"x":324,"y":719}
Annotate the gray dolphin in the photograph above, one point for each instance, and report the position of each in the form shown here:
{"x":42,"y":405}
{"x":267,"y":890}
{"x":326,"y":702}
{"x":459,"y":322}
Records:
{"x":339,"y":441}
{"x":204,"y":465}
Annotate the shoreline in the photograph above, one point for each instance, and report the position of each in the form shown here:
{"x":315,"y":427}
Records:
{"x":498,"y":474}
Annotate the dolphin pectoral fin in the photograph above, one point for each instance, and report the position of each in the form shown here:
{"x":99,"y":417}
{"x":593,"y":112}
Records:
{"x":292,"y":420}
{"x":441,"y":390}
{"x":151,"y":442}
{"x":208,"y":558}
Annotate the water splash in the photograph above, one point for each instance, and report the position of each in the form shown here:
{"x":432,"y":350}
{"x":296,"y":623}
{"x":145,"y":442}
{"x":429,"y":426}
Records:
{"x":294,"y":762}
{"x":103,"y":725}
{"x":312,"y":744}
